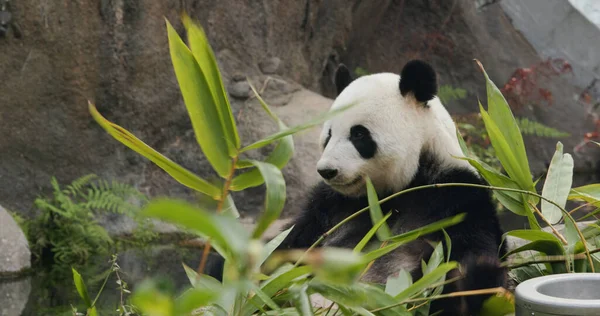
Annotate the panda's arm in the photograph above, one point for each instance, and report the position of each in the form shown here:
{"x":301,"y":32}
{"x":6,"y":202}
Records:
{"x":311,"y":223}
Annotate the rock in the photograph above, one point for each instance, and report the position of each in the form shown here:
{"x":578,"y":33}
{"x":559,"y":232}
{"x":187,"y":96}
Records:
{"x":14,"y":249}
{"x":269,"y":66}
{"x":240,"y":90}
{"x":14,"y":295}
{"x":238,"y":77}
{"x":49,"y":132}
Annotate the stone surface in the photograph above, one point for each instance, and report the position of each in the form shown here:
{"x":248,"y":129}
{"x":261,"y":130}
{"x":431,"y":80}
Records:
{"x":14,"y":249}
{"x":270,"y":66}
{"x":119,"y":59}
{"x":240,"y":90}
{"x":13,"y":296}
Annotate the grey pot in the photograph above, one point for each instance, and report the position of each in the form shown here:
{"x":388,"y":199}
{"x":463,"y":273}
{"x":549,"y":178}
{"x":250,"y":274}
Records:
{"x":559,"y":294}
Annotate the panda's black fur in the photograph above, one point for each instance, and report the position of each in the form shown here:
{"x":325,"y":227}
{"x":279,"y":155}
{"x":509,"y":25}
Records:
{"x":476,"y":241}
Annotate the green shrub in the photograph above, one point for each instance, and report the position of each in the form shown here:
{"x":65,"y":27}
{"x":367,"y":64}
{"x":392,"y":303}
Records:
{"x":259,"y":281}
{"x":66,"y":232}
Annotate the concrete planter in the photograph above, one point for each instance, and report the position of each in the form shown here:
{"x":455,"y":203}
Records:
{"x":564,"y":294}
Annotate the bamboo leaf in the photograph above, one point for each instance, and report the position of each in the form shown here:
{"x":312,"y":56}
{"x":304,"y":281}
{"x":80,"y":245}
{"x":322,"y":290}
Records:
{"x":178,"y":173}
{"x":202,"y":281}
{"x":513,"y":201}
{"x":81,"y":288}
{"x":301,"y":300}
{"x":504,"y":152}
{"x":499,"y":305}
{"x":275,"y":196}
{"x":589,"y":193}
{"x":503,"y":118}
{"x":365,"y":240}
{"x":273,"y":244}
{"x":384,"y":231}
{"x":278,"y":281}
{"x":151,"y":301}
{"x":205,"y":57}
{"x":200,"y":104}
{"x":430,"y":228}
{"x":280,"y":156}
{"x":399,"y":240}
{"x":193,"y":299}
{"x":316,"y":121}
{"x":426,"y":280}
{"x":395,"y":285}
{"x":228,"y":236}
{"x":557,"y":185}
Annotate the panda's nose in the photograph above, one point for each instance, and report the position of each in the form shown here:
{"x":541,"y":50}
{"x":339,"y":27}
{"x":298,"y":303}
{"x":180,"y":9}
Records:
{"x":328,"y":174}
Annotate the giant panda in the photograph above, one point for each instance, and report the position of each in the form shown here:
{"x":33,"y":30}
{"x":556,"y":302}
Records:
{"x":399,"y":135}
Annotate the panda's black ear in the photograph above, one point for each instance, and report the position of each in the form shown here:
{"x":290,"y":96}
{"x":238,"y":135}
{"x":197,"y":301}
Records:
{"x":418,"y":78}
{"x":342,"y":78}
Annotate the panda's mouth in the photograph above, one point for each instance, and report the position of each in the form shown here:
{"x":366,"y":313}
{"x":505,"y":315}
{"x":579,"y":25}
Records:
{"x":349,"y":184}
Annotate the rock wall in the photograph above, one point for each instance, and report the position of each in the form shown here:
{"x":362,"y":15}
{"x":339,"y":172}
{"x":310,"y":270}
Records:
{"x":115,"y":53}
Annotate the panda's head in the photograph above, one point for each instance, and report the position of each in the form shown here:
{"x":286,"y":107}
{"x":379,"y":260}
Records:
{"x":394,"y":121}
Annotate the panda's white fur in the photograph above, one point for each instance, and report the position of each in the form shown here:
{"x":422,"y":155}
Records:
{"x":400,"y":125}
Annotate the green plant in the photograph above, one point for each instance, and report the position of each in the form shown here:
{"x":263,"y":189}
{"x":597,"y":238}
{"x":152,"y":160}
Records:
{"x":447,"y":93}
{"x":359,"y":72}
{"x":66,"y":230}
{"x":258,"y":280}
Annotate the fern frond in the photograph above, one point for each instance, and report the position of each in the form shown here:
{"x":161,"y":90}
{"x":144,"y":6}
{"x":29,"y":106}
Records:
{"x":76,"y":187}
{"x":447,"y":93}
{"x":534,"y":128}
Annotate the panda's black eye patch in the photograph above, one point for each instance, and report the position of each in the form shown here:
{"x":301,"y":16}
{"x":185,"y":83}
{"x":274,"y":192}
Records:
{"x":362,"y":141}
{"x":327,"y":139}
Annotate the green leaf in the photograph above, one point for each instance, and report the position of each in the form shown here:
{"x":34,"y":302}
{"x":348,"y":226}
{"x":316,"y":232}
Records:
{"x":81,"y":288}
{"x":463,"y":145}
{"x":281,"y":279}
{"x":513,"y":201}
{"x":338,"y":265}
{"x":193,"y":299}
{"x":266,"y":299}
{"x":399,"y":240}
{"x":178,"y":173}
{"x":499,"y":305}
{"x":437,"y":257}
{"x":272,"y":245}
{"x":557,"y":185}
{"x":280,"y":156}
{"x":359,"y":298}
{"x":202,"y":281}
{"x":316,"y":121}
{"x":151,"y":301}
{"x":548,"y":247}
{"x":228,"y":236}
{"x":589,"y":193}
{"x":505,"y":154}
{"x":396,"y":284}
{"x":301,"y":300}
{"x":275,"y":196}
{"x":383,"y":232}
{"x":426,"y":281}
{"x":229,"y":207}
{"x":200,"y":103}
{"x":365,"y":240}
{"x":427,"y":229}
{"x":503,"y":118}
{"x":542,"y":241}
{"x":205,"y":57}
{"x":448,"y":245}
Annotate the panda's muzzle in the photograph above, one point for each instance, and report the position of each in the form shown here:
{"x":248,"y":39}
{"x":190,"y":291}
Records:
{"x":348,"y":184}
